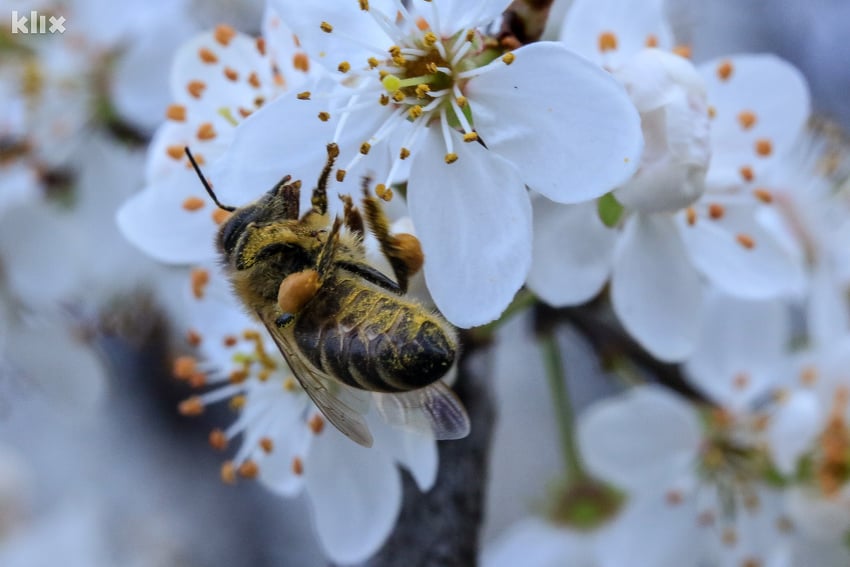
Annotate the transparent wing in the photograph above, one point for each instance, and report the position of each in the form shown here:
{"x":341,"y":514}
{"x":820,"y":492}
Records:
{"x":343,"y":406}
{"x":435,"y":409}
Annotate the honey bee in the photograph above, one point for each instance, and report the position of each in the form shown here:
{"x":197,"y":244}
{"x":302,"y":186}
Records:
{"x":346,"y":330}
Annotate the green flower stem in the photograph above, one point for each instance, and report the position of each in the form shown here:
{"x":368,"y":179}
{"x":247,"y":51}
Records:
{"x":563,"y":406}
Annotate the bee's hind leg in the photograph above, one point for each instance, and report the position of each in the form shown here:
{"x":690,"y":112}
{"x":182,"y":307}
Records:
{"x":402,"y":250}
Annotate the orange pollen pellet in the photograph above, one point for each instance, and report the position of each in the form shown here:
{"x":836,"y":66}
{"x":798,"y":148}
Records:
{"x":199,"y":278}
{"x":193,"y":204}
{"x":207,"y":56}
{"x":746,"y":119}
{"x":724,"y":70}
{"x":712,"y":112}
{"x":176,"y":112}
{"x":316,"y":423}
{"x":324,"y":116}
{"x":249,"y":469}
{"x":228,"y":473}
{"x":230,"y":341}
{"x":301,"y":62}
{"x":741,"y":380}
{"x":651,"y":41}
{"x":267,"y":445}
{"x":683,"y":51}
{"x":763,"y":147}
{"x":224,"y":33}
{"x":218,"y":440}
{"x":254,"y":80}
{"x":716,"y":211}
{"x":691,"y":216}
{"x":206,"y":131}
{"x":746,"y":241}
{"x":231,"y":74}
{"x":175,"y":151}
{"x":220,"y":215}
{"x":191,"y":407}
{"x":297,"y":466}
{"x":607,"y":41}
{"x":747,"y":173}
{"x":196,"y":88}
{"x":184,"y":366}
{"x":674,"y":497}
{"x":261,"y":45}
{"x":193,"y":337}
{"x":763,"y":195}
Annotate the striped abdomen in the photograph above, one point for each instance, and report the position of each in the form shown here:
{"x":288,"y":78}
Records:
{"x":373,"y":340}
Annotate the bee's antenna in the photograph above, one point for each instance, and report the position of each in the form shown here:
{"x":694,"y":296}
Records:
{"x":206,"y":183}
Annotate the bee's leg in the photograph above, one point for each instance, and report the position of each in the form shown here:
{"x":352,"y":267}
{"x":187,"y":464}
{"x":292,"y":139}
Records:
{"x":351,"y":217}
{"x":290,"y":193}
{"x":319,"y":200}
{"x":403,"y":250}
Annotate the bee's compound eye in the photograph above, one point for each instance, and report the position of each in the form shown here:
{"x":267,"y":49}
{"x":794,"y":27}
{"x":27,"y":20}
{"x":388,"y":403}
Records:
{"x":230,"y":232}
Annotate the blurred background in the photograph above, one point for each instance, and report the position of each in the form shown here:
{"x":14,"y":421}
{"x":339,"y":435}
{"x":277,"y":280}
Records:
{"x":96,"y":466}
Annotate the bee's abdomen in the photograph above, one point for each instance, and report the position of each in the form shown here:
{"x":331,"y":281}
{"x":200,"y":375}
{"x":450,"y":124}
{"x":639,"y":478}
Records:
{"x":376,"y":342}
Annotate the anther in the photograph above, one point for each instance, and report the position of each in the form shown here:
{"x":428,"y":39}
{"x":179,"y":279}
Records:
{"x":403,"y":153}
{"x":422,"y":90}
{"x":196,"y":88}
{"x":373,"y":62}
{"x":746,"y":241}
{"x":219,"y":216}
{"x":223,"y":34}
{"x":712,"y":111}
{"x":674,"y":497}
{"x":237,"y":403}
{"x":316,"y":423}
{"x":261,"y":45}
{"x":364,"y":5}
{"x":716,"y":211}
{"x":194,"y":338}
{"x":206,"y":131}
{"x":191,"y":407}
{"x":207,"y":56}
{"x":218,"y":440}
{"x":763,"y":195}
{"x":254,"y":80}
{"x":228,"y":472}
{"x":747,"y":173}
{"x":199,"y":279}
{"x":324,"y":116}
{"x":651,"y":41}
{"x":508,"y":58}
{"x":301,"y":62}
{"x":365,"y":147}
{"x":344,"y":67}
{"x":326,"y":27}
{"x":383,"y":192}
{"x":683,"y":51}
{"x":297,"y":466}
{"x":451,"y":157}
{"x":724,"y":70}
{"x":691,"y":216}
{"x":746,"y":119}
{"x":303,"y":95}
{"x":763,"y":147}
{"x":470,"y":137}
{"x":384,"y":99}
{"x":237,"y":376}
{"x":809,"y":376}
{"x":248,"y":469}
{"x":184,"y":366}
{"x":398,"y":96}
{"x":741,"y":381}
{"x":231,"y":74}
{"x":607,"y":42}
{"x":175,"y":151}
{"x":229,"y":341}
{"x":429,"y":39}
{"x":340,"y":175}
{"x":267,"y":445}
{"x":193,"y":204}
{"x":461,"y":101}
{"x":289,"y":384}
{"x":414,"y":111}
{"x":176,"y":112}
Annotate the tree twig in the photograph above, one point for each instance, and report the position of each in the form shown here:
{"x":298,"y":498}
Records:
{"x":523,"y":22}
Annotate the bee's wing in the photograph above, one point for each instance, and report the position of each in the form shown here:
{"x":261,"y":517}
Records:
{"x":435,"y":409}
{"x":344,"y":407}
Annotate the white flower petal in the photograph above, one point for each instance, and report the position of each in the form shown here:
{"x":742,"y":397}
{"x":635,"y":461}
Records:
{"x":641,"y":439}
{"x":741,"y":350}
{"x":770,"y":88}
{"x":566,"y":124}
{"x":473,"y":218}
{"x":534,"y":542}
{"x":817,"y":517}
{"x":655,"y":290}
{"x":571,"y":252}
{"x":740,"y":256}
{"x":633,"y":22}
{"x":157,"y":221}
{"x":793,"y":428}
{"x":827,"y":316}
{"x":356,"y":496}
{"x":292,"y":440}
{"x":458,"y":15}
{"x":353,"y":30}
{"x":417,"y":452}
